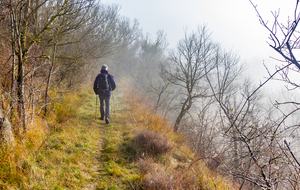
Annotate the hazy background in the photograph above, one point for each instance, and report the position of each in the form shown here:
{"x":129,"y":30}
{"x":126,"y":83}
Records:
{"x":233,"y":23}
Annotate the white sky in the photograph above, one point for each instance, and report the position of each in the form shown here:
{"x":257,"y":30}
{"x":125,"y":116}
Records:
{"x":233,"y":23}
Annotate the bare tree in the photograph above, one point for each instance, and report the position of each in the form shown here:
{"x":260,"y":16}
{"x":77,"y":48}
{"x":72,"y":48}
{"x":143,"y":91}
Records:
{"x":284,"y":39}
{"x":187,"y":68}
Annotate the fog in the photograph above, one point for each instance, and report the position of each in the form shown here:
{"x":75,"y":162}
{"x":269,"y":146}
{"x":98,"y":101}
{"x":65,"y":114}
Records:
{"x":233,"y":23}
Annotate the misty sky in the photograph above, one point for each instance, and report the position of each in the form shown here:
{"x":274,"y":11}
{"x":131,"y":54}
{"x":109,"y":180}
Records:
{"x":233,"y":23}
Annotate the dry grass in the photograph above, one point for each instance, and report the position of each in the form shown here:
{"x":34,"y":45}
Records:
{"x":56,"y":152}
{"x":139,"y":151}
{"x":162,"y":156}
{"x":151,"y":143}
{"x":158,"y":176}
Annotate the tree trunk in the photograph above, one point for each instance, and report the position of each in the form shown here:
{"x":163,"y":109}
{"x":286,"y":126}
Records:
{"x":49,"y":79}
{"x":13,"y":46}
{"x":20,"y":32}
{"x":185,"y":108}
{"x":21,"y":97}
{"x":32,"y":93}
{"x":178,"y":120}
{"x":36,"y":17}
{"x":20,"y":84}
{"x":235,"y":150}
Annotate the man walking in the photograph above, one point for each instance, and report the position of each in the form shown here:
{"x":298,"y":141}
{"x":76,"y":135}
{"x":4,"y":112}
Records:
{"x":103,"y":85}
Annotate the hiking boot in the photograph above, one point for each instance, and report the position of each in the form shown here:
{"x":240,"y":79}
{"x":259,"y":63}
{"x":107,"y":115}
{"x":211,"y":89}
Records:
{"x":107,"y":121}
{"x":101,"y":118}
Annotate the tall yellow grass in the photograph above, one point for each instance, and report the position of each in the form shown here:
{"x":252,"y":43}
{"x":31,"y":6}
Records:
{"x":52,"y":152}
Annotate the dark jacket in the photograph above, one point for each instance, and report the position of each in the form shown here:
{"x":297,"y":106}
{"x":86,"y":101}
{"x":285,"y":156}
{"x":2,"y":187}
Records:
{"x":111,"y":83}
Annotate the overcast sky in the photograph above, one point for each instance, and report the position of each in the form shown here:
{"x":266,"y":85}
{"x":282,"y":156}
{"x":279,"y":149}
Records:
{"x":233,"y":23}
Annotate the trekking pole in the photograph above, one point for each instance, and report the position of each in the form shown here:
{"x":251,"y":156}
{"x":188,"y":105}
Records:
{"x":96,"y":108}
{"x":114,"y":104}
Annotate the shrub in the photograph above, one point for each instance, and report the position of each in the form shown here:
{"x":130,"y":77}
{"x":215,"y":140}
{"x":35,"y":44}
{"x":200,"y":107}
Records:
{"x":151,"y":143}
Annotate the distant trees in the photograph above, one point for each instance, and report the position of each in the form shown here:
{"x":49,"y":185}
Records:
{"x":150,"y":57}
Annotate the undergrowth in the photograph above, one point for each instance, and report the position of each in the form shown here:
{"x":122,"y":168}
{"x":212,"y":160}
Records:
{"x":57,"y":152}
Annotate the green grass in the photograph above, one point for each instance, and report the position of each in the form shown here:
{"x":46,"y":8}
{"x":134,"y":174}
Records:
{"x":117,"y":170}
{"x":68,"y":155}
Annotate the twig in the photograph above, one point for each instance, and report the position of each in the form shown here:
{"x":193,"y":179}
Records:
{"x":291,"y":152}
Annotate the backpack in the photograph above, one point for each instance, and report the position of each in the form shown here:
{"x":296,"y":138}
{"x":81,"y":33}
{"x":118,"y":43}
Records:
{"x":102,"y":82}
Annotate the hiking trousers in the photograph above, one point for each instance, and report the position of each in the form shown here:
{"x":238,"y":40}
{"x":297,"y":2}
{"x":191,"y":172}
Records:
{"x":104,"y":100}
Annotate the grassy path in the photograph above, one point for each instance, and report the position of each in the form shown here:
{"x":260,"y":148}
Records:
{"x":111,"y":163}
{"x":117,"y":170}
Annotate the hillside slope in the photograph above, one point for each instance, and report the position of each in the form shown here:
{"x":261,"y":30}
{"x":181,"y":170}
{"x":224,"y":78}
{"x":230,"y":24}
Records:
{"x":73,"y":150}
{"x":140,"y":151}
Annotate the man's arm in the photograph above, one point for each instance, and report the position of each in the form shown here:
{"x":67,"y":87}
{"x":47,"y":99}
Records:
{"x":112,"y":83}
{"x":96,"y":86}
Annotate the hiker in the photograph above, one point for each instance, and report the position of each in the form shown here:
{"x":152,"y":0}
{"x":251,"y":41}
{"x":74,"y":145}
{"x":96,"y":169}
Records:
{"x":103,"y":85}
